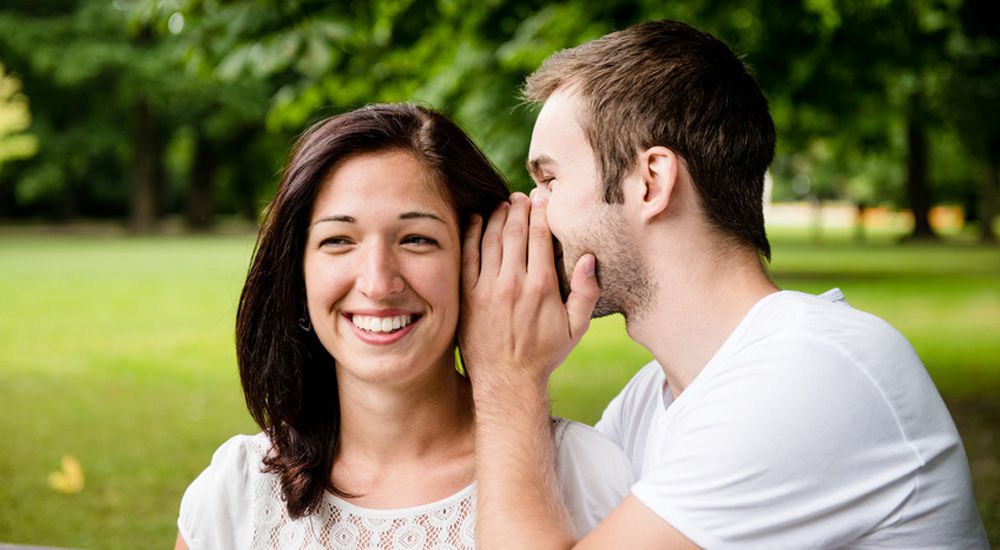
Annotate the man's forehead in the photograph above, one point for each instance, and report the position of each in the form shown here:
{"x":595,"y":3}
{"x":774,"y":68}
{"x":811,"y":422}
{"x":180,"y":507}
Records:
{"x":557,"y":131}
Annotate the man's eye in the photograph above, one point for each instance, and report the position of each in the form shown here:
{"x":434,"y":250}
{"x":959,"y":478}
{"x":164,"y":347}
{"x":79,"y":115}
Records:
{"x":419,"y":240}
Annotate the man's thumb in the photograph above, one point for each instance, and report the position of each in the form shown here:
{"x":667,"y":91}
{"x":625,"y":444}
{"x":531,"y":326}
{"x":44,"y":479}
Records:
{"x":583,"y":295}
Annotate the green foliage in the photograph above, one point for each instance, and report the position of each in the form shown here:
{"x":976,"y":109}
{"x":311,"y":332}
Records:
{"x":238,"y":80}
{"x":15,"y":117}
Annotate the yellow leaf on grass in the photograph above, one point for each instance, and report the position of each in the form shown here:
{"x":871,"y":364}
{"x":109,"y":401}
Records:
{"x":70,"y":479}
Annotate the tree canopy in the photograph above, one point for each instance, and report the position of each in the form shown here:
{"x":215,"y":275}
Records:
{"x":141,"y":109}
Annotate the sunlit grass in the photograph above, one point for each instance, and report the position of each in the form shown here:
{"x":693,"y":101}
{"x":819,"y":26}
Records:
{"x":120,"y":352}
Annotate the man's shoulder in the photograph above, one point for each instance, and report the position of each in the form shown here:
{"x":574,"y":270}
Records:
{"x":804,"y":323}
{"x":831,"y":314}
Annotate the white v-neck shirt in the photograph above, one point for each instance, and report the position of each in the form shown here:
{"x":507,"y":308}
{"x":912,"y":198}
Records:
{"x":232,"y":504}
{"x":815,"y":425}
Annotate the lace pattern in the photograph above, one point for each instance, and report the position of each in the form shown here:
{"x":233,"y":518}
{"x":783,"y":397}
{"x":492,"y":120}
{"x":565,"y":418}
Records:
{"x":448,"y":524}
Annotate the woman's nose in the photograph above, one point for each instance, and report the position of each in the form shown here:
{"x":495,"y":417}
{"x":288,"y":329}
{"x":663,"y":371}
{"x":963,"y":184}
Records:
{"x":380,"y":277}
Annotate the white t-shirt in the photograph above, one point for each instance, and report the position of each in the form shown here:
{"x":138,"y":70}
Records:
{"x":815,"y":425}
{"x":232,"y":504}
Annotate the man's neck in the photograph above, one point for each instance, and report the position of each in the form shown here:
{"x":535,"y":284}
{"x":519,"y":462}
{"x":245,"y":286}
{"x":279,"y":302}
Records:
{"x":698,"y":302}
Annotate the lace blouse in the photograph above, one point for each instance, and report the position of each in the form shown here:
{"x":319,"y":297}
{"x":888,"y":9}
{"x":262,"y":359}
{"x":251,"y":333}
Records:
{"x":232,"y":504}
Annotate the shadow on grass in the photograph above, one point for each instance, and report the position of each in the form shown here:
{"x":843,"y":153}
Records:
{"x":978,"y":421}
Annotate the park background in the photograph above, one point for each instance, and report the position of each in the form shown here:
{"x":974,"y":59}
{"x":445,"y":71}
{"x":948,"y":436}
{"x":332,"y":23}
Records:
{"x":140,"y":142}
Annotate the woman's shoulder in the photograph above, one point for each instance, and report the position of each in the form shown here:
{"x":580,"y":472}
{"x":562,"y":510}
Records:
{"x":594,"y":474}
{"x":241,"y":450}
{"x":220,"y":499}
{"x":575,"y":437}
{"x":584,"y":447}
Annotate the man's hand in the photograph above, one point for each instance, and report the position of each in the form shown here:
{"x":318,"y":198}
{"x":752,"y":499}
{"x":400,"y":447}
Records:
{"x":514,"y":331}
{"x":514,"y":328}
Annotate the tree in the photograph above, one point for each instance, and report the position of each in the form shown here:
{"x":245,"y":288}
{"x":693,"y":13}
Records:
{"x":15,"y":117}
{"x":973,"y":101}
{"x":88,"y":75}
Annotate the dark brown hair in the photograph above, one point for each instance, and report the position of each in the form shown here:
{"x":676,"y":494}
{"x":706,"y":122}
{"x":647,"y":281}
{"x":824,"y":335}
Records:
{"x":287,"y":375}
{"x":667,"y":83}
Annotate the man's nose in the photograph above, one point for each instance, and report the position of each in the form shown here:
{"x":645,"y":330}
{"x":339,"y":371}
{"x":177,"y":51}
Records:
{"x":380,"y":277}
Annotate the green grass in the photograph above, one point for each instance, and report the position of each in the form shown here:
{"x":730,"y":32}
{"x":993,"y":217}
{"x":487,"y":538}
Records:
{"x":120,"y":352}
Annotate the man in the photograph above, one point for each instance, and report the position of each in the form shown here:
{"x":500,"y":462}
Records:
{"x":769,"y":419}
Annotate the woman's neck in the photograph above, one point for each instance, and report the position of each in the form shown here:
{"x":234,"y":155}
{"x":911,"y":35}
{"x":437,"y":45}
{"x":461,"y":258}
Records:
{"x":403,"y":447}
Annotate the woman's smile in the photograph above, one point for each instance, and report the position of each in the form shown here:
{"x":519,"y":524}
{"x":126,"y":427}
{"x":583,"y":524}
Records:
{"x":382,"y":328}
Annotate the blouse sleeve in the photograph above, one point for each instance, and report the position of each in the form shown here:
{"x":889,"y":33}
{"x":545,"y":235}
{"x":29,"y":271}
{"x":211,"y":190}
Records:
{"x":215,"y":511}
{"x":594,"y":474}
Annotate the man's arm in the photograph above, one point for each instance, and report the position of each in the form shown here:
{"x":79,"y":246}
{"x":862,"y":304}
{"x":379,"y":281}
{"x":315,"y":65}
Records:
{"x":509,"y":353}
{"x":515,"y":331}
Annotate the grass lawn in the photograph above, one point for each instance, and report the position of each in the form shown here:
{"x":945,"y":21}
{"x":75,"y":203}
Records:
{"x":119,"y":352}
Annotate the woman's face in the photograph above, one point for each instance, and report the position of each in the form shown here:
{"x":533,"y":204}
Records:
{"x":381,"y":269}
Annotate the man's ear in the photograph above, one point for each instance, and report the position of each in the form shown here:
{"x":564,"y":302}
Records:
{"x":655,"y":181}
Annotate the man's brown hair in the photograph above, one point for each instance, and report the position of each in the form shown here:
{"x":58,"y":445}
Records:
{"x":667,"y":83}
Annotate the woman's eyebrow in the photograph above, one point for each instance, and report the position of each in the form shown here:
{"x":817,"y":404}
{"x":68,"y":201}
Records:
{"x":345,"y":219}
{"x":415,"y":215}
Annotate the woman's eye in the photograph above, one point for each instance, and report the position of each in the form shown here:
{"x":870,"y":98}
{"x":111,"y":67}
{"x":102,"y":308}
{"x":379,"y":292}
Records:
{"x":419,"y":240}
{"x":545,"y":182}
{"x":335,"y":241}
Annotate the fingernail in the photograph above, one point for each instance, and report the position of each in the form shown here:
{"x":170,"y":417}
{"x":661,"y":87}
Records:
{"x":539,"y":200}
{"x":518,"y":197}
{"x":588,"y":268}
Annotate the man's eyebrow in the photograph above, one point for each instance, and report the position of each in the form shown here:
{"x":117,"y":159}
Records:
{"x":416,"y":215}
{"x":536,"y":164}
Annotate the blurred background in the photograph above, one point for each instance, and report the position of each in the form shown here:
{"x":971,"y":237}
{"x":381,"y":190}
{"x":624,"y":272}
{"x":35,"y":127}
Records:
{"x":140,"y":141}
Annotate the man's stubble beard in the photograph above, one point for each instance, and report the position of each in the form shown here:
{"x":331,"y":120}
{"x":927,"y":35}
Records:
{"x":626,"y":286}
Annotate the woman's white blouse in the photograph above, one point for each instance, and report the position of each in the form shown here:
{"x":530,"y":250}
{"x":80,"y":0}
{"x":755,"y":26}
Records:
{"x":232,"y":504}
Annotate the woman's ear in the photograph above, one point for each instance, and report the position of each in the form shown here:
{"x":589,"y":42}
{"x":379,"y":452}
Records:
{"x":655,"y":181}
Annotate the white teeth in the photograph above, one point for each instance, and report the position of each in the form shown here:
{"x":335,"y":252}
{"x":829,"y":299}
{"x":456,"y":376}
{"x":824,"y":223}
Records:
{"x":381,"y":324}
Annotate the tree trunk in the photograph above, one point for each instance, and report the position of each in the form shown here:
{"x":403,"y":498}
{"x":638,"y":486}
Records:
{"x":859,"y":222}
{"x":143,"y":204}
{"x":988,"y":200}
{"x":817,"y":218}
{"x":918,"y":192}
{"x":200,"y":200}
{"x":247,"y":192}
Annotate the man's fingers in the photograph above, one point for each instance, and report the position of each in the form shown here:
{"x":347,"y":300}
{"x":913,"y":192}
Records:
{"x":541,"y":258}
{"x":491,"y":251}
{"x":515,"y":237}
{"x":583,"y":295}
{"x":470,"y":252}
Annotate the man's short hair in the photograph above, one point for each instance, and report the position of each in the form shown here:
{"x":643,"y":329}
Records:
{"x":667,"y":83}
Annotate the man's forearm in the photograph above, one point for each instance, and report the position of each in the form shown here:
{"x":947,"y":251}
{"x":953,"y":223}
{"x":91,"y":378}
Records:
{"x":519,"y":497}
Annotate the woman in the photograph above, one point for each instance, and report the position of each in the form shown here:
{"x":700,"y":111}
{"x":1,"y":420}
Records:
{"x":346,"y":348}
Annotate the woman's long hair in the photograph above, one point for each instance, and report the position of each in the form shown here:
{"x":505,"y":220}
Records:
{"x":288,"y":377}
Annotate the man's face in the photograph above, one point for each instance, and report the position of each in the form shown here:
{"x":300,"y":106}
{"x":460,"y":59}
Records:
{"x":564,"y":167}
